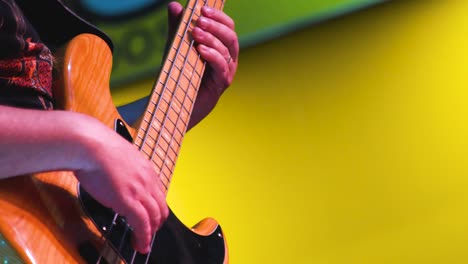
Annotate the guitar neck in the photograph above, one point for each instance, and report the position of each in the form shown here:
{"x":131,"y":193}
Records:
{"x":165,"y":120}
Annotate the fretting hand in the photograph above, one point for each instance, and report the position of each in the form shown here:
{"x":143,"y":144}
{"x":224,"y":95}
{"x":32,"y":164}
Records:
{"x":218,"y":45}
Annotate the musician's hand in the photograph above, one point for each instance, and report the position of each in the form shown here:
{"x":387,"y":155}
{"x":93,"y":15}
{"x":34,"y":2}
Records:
{"x":218,"y":45}
{"x":116,"y":174}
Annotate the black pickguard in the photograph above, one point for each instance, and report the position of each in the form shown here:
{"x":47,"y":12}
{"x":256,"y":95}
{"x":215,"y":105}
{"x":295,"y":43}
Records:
{"x":174,"y":243}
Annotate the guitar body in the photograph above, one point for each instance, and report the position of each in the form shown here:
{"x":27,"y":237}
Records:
{"x":48,"y":218}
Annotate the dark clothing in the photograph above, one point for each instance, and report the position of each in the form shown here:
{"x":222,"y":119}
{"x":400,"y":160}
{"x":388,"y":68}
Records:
{"x":30,"y":31}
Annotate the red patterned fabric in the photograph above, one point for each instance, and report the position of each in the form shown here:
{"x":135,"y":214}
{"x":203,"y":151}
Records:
{"x":26,"y":64}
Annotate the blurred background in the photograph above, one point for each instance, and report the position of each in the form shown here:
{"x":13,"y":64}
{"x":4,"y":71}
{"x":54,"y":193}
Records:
{"x":343,"y":138}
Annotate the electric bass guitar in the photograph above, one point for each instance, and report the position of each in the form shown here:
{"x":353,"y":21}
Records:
{"x":50,"y":218}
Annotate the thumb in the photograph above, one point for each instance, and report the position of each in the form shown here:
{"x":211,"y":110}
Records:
{"x":174,"y":14}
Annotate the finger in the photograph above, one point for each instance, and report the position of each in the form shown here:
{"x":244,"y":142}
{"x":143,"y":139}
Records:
{"x":207,"y":39}
{"x":221,"y":72}
{"x":163,"y":208}
{"x":139,"y":221}
{"x":159,"y":199}
{"x":174,"y":14}
{"x":218,"y":15}
{"x":152,"y":208}
{"x":226,"y":35}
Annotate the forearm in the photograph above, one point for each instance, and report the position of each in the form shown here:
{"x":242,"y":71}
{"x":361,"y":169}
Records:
{"x":104,"y":163}
{"x":37,"y":140}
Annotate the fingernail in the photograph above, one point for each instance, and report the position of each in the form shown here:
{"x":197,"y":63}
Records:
{"x":207,"y":10}
{"x":202,"y":22}
{"x":197,"y":31}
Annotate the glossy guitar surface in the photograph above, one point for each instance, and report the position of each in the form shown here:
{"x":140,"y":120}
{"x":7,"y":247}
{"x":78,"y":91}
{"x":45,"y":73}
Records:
{"x":49,"y":218}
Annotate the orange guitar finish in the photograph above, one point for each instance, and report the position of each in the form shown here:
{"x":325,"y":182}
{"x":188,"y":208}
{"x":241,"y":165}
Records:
{"x":41,"y":216}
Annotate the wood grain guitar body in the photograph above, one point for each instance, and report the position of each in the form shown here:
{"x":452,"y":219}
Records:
{"x":49,"y":218}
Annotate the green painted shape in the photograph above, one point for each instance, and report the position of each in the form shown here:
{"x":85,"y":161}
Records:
{"x":256,"y":21}
{"x":145,"y":36}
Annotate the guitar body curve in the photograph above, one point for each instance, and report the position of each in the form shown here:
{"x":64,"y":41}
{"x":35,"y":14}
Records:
{"x":47,"y":217}
{"x":44,"y":222}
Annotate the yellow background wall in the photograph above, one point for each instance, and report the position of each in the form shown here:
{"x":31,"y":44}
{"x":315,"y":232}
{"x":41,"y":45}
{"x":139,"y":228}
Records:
{"x":345,"y":142}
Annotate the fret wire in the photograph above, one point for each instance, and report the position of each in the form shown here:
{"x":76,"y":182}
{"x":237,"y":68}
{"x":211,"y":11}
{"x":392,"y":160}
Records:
{"x":171,"y":121}
{"x":166,"y":87}
{"x":169,"y":160}
{"x":149,"y":136}
{"x":165,"y":100}
{"x":172,"y":77}
{"x":175,"y":97}
{"x":186,"y":42}
{"x":177,"y":100}
{"x":146,"y":134}
{"x":143,"y":150}
{"x":190,"y":64}
{"x":172,"y":130}
{"x":170,"y":147}
{"x":164,"y":145}
{"x":183,"y":105}
{"x":182,"y":134}
{"x":165,"y":168}
{"x":145,"y":143}
{"x":164,"y":183}
{"x":186,"y":62}
{"x":176,"y":67}
{"x":166,"y":141}
{"x":162,"y":91}
{"x":159,"y":156}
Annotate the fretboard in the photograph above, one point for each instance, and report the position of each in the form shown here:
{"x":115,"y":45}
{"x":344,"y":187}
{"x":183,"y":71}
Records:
{"x":170,"y":105}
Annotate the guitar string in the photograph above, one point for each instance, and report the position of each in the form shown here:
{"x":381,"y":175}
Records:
{"x":178,"y":117}
{"x":172,"y":100}
{"x":106,"y":237}
{"x":173,"y":97}
{"x":153,"y":115}
{"x":146,"y":133}
{"x":196,"y":86}
{"x":186,"y":95}
{"x":166,"y":90}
